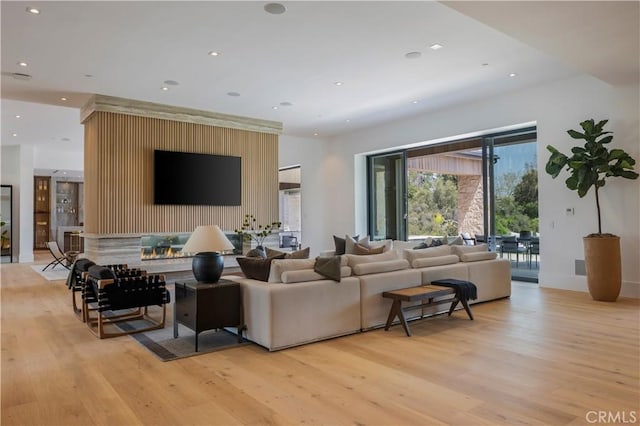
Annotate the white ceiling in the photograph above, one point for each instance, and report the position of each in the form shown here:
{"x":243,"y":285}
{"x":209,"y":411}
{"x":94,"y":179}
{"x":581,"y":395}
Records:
{"x":128,"y":49}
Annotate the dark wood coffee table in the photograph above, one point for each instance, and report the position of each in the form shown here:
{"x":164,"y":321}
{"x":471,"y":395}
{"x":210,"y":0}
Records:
{"x":426,"y":294}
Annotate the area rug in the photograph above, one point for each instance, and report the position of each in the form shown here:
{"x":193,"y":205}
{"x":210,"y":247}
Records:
{"x":162,"y":344}
{"x":59,"y":273}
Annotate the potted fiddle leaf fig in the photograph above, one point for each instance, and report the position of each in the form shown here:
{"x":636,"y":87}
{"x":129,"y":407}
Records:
{"x":590,"y":166}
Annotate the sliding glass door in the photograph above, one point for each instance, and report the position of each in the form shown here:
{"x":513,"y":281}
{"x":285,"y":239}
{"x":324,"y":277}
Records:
{"x":387,"y":196}
{"x":483,"y":189}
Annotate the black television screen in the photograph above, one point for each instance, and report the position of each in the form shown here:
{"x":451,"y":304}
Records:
{"x":187,"y":178}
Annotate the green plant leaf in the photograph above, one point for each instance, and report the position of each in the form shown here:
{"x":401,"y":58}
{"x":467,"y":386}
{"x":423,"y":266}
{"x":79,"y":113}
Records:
{"x":576,"y":135}
{"x":605,"y":139}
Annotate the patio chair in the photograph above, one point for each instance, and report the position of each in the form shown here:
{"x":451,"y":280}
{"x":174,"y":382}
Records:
{"x":468,"y":239}
{"x":59,"y":258}
{"x":534,"y":249}
{"x":510,"y":245}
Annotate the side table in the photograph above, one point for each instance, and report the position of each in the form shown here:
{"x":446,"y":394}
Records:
{"x":204,"y":306}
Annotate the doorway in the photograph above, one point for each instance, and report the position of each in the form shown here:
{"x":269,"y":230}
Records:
{"x":290,"y":207}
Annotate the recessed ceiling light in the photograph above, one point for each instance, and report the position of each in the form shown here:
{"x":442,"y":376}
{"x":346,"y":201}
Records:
{"x":171,"y":82}
{"x":88,"y":75}
{"x":338,"y":83}
{"x":214,"y":53}
{"x":513,"y":74}
{"x":415,"y":102}
{"x":65,"y":139}
{"x":436,"y":46}
{"x":33,"y":10}
{"x":18,"y":116}
{"x":315,"y":134}
{"x":412,"y":55}
{"x":14,"y":134}
{"x":63,"y":99}
{"x":274,"y":107}
{"x":275,"y":8}
{"x":165,"y":88}
{"x":22,"y":64}
{"x":486,"y":64}
{"x":347,"y":120}
{"x":234,"y":94}
{"x":286,"y":104}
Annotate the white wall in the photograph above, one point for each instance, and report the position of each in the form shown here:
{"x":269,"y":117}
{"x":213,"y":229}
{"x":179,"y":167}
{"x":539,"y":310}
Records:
{"x":47,"y":158}
{"x":17,"y":170}
{"x":554,"y":107}
{"x":310,"y":155}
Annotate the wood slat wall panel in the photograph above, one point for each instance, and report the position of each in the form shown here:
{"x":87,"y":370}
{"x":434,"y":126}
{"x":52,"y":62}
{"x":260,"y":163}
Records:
{"x":119,"y":174}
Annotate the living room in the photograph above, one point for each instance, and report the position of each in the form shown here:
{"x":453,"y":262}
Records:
{"x":333,"y":171}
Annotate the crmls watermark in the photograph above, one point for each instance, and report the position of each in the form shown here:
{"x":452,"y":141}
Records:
{"x":611,"y":417}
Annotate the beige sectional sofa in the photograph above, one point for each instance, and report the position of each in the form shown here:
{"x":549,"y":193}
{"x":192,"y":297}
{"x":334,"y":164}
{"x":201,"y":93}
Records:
{"x":297,"y":305}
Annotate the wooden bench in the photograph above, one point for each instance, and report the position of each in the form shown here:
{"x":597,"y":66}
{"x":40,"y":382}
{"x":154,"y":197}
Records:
{"x":426,"y":295}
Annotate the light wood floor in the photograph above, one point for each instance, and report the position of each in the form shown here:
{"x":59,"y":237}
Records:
{"x":540,"y":357}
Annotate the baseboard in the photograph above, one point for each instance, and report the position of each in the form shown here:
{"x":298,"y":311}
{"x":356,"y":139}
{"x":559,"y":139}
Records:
{"x":579,"y":283}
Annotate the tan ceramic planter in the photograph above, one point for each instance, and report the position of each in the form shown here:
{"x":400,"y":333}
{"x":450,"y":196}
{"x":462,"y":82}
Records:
{"x":604,"y":267}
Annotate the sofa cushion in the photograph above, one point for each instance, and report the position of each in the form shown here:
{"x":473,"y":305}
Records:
{"x":328,"y":267}
{"x":340,"y":244}
{"x":298,"y":254}
{"x":478,"y":255}
{"x":435,"y":261}
{"x":413,"y":254}
{"x":256,"y":267}
{"x":460,"y":250}
{"x":354,"y":259}
{"x":282,"y":265}
{"x":379,"y":267}
{"x":306,"y":275}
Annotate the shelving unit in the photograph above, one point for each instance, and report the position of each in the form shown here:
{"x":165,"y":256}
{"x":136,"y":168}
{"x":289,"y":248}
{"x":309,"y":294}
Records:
{"x":67,"y":203}
{"x":41,"y":211}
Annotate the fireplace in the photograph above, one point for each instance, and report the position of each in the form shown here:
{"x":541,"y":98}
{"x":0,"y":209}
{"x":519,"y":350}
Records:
{"x":169,"y":246}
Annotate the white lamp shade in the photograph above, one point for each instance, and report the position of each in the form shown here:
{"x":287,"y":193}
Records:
{"x":207,"y":238}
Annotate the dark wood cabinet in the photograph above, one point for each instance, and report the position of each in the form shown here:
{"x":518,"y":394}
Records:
{"x":202,"y":307}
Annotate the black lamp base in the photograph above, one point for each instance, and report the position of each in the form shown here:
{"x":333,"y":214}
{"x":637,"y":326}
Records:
{"x":207,"y":267}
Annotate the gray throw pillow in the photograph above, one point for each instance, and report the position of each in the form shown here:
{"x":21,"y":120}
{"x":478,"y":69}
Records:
{"x":257,"y":267}
{"x":328,"y":267}
{"x":341,"y":244}
{"x":256,"y":252}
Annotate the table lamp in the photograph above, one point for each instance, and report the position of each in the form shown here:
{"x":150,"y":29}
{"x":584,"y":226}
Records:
{"x":207,"y":241}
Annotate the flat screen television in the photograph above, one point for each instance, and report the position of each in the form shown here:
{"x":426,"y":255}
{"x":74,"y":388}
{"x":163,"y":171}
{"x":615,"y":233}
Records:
{"x":185,"y":178}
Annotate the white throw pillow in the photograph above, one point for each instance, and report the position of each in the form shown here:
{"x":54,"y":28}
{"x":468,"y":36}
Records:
{"x":478,"y":255}
{"x":350,"y":244}
{"x":278,"y":266}
{"x":460,"y":250}
{"x":426,"y":262}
